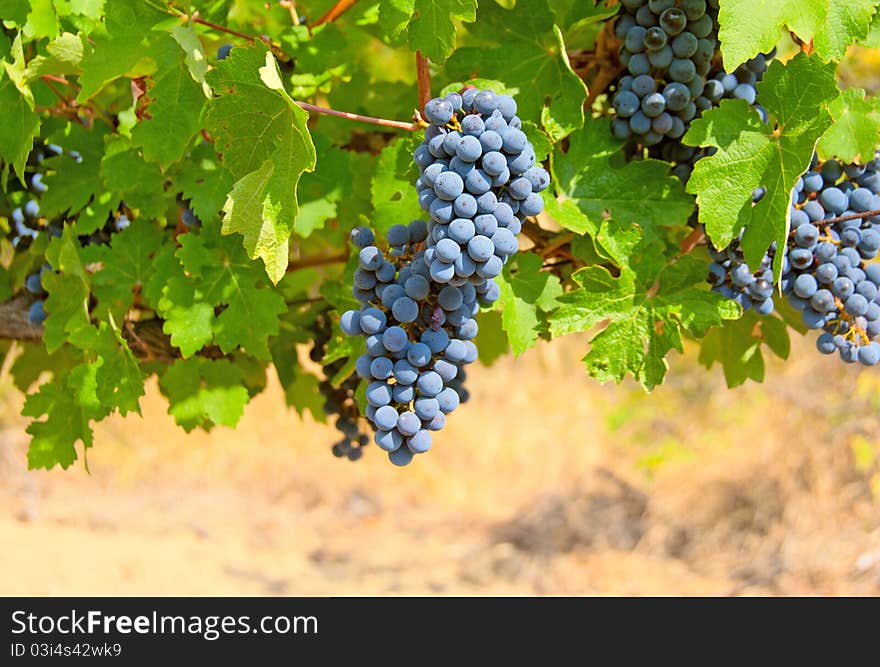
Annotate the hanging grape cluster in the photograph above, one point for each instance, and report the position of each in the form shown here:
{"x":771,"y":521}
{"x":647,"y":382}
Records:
{"x":478,"y":181}
{"x":828,"y":268}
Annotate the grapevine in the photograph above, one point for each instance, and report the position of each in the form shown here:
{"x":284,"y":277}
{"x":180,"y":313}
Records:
{"x":365,"y":201}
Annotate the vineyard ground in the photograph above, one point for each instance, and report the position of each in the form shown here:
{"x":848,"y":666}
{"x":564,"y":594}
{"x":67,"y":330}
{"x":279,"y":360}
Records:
{"x":576,"y":489}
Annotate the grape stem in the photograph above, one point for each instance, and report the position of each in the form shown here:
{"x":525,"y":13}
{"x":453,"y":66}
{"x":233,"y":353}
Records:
{"x":851,"y":216}
{"x":336,"y":11}
{"x":316,"y":260}
{"x":195,"y":18}
{"x":693,"y":239}
{"x":290,"y":6}
{"x":402,"y":125}
{"x":423,"y":73}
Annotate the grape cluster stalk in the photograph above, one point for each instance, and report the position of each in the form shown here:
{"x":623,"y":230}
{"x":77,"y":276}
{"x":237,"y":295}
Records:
{"x":478,"y":182}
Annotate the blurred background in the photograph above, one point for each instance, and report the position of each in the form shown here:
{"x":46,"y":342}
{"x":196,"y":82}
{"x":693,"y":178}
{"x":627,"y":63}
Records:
{"x":544,"y":483}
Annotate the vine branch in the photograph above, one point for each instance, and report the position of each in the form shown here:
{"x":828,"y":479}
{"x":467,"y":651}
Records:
{"x":336,"y":11}
{"x":195,"y":18}
{"x":307,"y":262}
{"x":399,"y":124}
{"x":851,"y":216}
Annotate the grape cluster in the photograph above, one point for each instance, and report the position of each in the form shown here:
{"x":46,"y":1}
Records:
{"x":829,"y":273}
{"x":339,"y":400}
{"x":668,"y":48}
{"x":478,"y":181}
{"x":828,"y":267}
{"x":730,"y":276}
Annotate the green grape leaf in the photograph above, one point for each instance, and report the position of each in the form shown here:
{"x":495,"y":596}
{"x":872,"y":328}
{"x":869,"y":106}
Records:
{"x":529,"y":54}
{"x":65,"y":53}
{"x":68,"y":288}
{"x":429,"y":24}
{"x":737,"y":346}
{"x":14,"y":11}
{"x":641,"y":313}
{"x":204,"y":180}
{"x":20,"y":122}
{"x":527,"y":293}
{"x":855,"y":133}
{"x":73,"y":183}
{"x":642,"y":192}
{"x":394,"y":198}
{"x":750,"y":27}
{"x":69,"y":404}
{"x":753,"y":154}
{"x":226,"y":278}
{"x":265,"y":143}
{"x":41,"y":21}
{"x":491,"y":339}
{"x":35,"y":360}
{"x":127,"y":264}
{"x":204,"y":392}
{"x":195,"y":57}
{"x":121,"y":48}
{"x":140,"y":183}
{"x":320,"y":191}
{"x":175,"y":105}
{"x":119,"y":380}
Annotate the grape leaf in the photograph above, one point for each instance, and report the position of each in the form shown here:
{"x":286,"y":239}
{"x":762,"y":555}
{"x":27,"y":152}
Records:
{"x":642,"y":191}
{"x":204,"y":392}
{"x":750,"y":27}
{"x":642,"y":312}
{"x":226,"y":277}
{"x":67,"y":304}
{"x":429,"y":24}
{"x":320,"y":191}
{"x":121,"y":47}
{"x":491,"y":341}
{"x":72,"y":183}
{"x":41,"y":21}
{"x":20,"y":122}
{"x":394,"y":198}
{"x":204,"y":180}
{"x":529,"y":55}
{"x":262,"y":135}
{"x":119,"y":380}
{"x":127,"y":264}
{"x":736,"y":345}
{"x":65,"y":54}
{"x":175,"y":105}
{"x":69,"y":403}
{"x":140,"y":183}
{"x":752,"y":154}
{"x":527,"y":294}
{"x":855,"y":133}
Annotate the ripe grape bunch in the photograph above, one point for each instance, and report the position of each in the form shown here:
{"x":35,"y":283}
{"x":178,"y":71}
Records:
{"x":478,"y":181}
{"x":829,"y":272}
{"x":338,"y":400}
{"x":668,"y":47}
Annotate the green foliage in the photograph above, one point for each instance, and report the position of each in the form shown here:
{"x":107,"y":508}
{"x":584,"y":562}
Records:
{"x":753,"y":154}
{"x":750,"y":27}
{"x":156,"y":128}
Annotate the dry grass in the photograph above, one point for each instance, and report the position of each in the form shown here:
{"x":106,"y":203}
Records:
{"x":545,"y":483}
